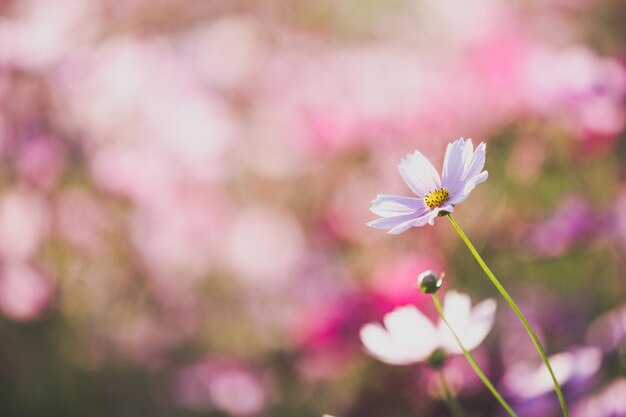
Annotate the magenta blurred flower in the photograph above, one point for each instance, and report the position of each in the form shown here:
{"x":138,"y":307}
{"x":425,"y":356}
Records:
{"x":409,"y":336}
{"x":462,"y":171}
{"x":395,"y":279}
{"x":41,"y":161}
{"x":335,"y":326}
{"x":573,"y":221}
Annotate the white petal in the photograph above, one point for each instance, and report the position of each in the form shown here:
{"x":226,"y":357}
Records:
{"x":480,"y":324}
{"x":411,"y":328}
{"x":456,"y":308}
{"x":448,"y":208}
{"x":380,"y":345}
{"x":472,"y":330}
{"x":431,"y":216}
{"x":410,"y":337}
{"x":419,"y":174}
{"x":453,"y":164}
{"x":529,"y":381}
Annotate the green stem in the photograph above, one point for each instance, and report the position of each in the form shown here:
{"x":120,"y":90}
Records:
{"x":517,"y":311}
{"x":472,"y":361}
{"x":451,"y":401}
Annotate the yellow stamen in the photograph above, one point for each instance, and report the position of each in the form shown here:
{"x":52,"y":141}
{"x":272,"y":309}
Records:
{"x":436,"y":198}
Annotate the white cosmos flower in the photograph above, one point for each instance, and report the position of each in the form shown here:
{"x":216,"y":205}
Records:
{"x":530,"y":381}
{"x":462,"y":171}
{"x":409,"y":336}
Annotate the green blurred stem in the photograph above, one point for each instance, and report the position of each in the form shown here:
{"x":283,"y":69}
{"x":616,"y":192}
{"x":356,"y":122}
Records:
{"x":472,"y":361}
{"x":448,"y":395}
{"x":517,"y":311}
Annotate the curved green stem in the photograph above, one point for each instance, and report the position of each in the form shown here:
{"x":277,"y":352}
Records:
{"x":448,"y":395}
{"x":517,"y":311}
{"x":472,"y":361}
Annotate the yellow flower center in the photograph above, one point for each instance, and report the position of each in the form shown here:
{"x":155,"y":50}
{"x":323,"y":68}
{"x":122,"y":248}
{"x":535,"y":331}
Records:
{"x":436,"y":198}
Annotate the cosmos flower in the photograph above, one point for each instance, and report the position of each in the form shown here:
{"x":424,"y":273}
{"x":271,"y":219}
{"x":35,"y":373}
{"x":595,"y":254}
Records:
{"x":462,"y":171}
{"x":409,"y":336}
{"x":576,"y":365}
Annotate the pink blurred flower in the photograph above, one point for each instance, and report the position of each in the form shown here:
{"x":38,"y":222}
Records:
{"x":461,"y":22}
{"x":582,"y":89}
{"x":265,"y":247}
{"x":133,"y":97}
{"x":40,"y":162}
{"x":40,"y":34}
{"x":396,"y":279}
{"x":25,"y":292}
{"x":526,"y":161}
{"x":336,"y":326}
{"x":573,"y":221}
{"x":178,"y":234}
{"x":369,"y":94}
{"x":226,"y":386}
{"x":24,"y":223}
{"x":608,"y":332}
{"x":81,"y":218}
{"x":326,"y":108}
{"x":610,"y":401}
{"x":241,"y":36}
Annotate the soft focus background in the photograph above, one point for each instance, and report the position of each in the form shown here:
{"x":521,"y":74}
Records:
{"x":184,"y":187}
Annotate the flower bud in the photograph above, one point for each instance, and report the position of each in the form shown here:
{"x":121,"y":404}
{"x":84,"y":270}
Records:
{"x":428,"y":282}
{"x":437,"y":358}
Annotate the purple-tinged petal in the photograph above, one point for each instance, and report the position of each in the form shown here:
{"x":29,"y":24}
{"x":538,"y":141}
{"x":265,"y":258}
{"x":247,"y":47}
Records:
{"x":398,"y":213}
{"x":468,"y":187}
{"x":476,"y":163}
{"x":391,"y":222}
{"x":432,"y":215}
{"x":419,"y":174}
{"x":386,"y":205}
{"x":453,"y":165}
{"x":420,"y":221}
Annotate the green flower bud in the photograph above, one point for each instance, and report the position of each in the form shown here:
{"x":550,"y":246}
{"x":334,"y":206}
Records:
{"x":437,"y":359}
{"x":428,"y":282}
